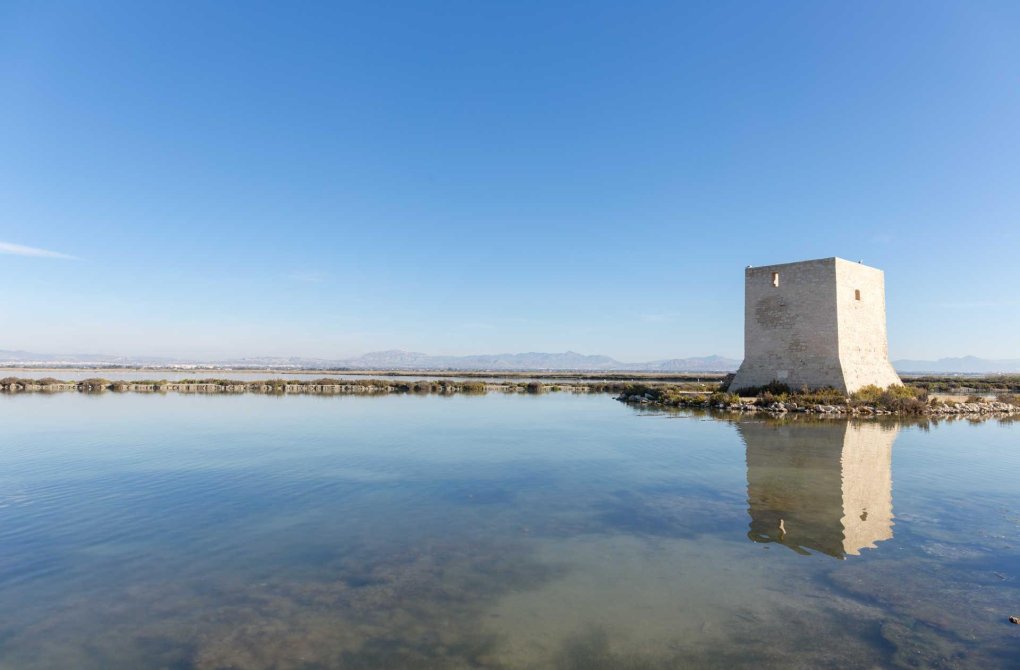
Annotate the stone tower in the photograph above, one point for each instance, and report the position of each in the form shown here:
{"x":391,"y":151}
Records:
{"x":816,"y":324}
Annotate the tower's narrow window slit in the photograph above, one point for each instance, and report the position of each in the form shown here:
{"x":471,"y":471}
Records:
{"x":775,"y":279}
{"x":857,"y":294}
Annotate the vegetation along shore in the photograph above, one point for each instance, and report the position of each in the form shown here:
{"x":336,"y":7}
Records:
{"x":322,"y":386}
{"x":1001,"y":395}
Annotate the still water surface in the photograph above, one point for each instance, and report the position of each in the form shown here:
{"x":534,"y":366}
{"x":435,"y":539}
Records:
{"x":557,"y":531}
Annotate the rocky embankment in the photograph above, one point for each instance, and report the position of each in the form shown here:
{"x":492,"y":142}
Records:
{"x":935,"y":408}
{"x":984,"y":407}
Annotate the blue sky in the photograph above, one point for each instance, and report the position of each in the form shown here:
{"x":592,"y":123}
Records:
{"x":474,"y":177}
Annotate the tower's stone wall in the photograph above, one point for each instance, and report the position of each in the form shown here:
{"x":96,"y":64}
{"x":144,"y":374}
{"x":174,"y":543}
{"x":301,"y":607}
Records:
{"x":815,"y":323}
{"x":863,"y":343}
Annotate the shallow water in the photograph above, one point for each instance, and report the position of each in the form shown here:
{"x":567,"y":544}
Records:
{"x":555,"y":531}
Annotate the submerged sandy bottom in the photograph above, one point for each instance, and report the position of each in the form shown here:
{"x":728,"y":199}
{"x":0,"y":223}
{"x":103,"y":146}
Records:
{"x":553,"y":532}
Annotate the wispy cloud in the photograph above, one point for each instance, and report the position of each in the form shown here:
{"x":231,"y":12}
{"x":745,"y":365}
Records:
{"x":21,"y":250}
{"x":308,"y":277}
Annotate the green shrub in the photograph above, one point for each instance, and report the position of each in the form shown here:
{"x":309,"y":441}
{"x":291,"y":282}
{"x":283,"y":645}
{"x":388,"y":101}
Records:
{"x":93,"y":385}
{"x":94,"y":382}
{"x":868,"y":395}
{"x":767,"y":398}
{"x":1009,"y":398}
{"x":639,"y":389}
{"x":722,"y":398}
{"x":896,"y":398}
{"x":774,"y":388}
{"x":48,"y":381}
{"x":824,"y":396}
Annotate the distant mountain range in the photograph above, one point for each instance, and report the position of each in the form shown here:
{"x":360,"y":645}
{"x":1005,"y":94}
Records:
{"x":386,"y":360}
{"x":568,"y":360}
{"x":965,"y":364}
{"x":396,"y":359}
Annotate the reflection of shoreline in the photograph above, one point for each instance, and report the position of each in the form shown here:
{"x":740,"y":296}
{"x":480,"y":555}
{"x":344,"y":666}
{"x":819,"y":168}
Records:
{"x":825,"y":487}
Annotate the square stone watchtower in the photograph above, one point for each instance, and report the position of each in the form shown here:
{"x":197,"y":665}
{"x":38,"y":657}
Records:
{"x":816,"y":324}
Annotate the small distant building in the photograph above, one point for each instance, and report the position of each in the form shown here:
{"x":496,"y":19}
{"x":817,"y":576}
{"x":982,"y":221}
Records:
{"x":815,"y":323}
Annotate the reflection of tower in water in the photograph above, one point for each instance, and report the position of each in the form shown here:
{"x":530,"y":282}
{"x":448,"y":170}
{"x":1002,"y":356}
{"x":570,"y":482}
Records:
{"x":820,"y":486}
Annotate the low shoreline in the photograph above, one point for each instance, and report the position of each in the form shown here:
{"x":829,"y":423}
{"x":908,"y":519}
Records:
{"x":838,"y":408}
{"x":323,"y":386}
